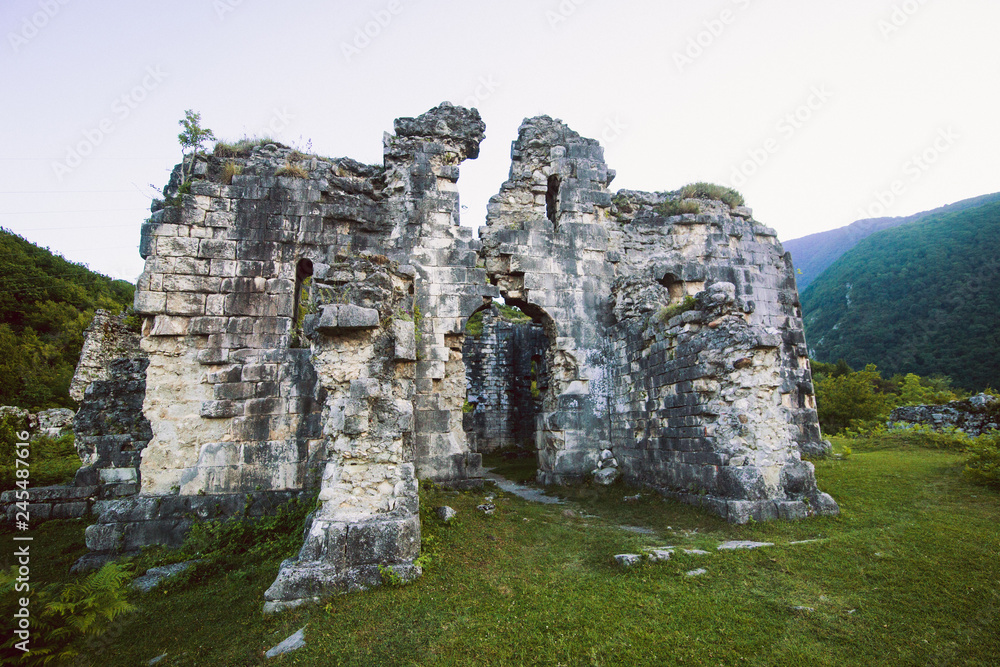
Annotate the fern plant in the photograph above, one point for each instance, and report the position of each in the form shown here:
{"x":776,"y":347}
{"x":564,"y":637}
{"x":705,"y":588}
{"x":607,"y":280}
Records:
{"x":63,"y":617}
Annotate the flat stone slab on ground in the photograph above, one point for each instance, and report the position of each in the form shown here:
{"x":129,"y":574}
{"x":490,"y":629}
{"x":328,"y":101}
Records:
{"x":628,"y":560}
{"x":521,"y":491}
{"x":295,"y":641}
{"x":155,"y":575}
{"x":697,"y":552}
{"x":696,"y":573}
{"x":639,"y":529}
{"x":660,"y":555}
{"x":743,"y":544}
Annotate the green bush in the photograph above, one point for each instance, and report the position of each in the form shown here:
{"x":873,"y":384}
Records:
{"x":62,"y":614}
{"x":670,"y":312}
{"x":712,"y":191}
{"x":852,"y":401}
{"x":673,"y":207}
{"x":983,"y":464}
{"x":242,"y":147}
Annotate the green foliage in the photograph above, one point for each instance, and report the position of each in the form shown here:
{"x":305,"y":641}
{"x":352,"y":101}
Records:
{"x":513,"y":314}
{"x":919,"y":298}
{"x":474,"y":327}
{"x":915,"y":390}
{"x":227,"y":540}
{"x":46,"y":302}
{"x":669,"y":312}
{"x":721,"y":193}
{"x":65,"y":615}
{"x":52,"y":460}
{"x":242,"y":147}
{"x":468,"y":408}
{"x":673,"y":207}
{"x":851,"y":400}
{"x":191,"y":138}
{"x":983,"y":464}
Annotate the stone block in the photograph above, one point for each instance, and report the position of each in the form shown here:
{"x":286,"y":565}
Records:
{"x":221,"y":409}
{"x":216,"y":249}
{"x":185,"y":304}
{"x":405,"y":340}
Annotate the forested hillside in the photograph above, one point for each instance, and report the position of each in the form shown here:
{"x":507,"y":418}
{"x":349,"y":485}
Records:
{"x":920,"y":298}
{"x":45,"y":304}
{"x":814,"y":253}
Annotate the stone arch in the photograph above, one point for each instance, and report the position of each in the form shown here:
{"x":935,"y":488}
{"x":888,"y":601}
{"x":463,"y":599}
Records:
{"x":509,"y":383}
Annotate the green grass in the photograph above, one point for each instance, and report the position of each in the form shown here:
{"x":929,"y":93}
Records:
{"x":721,"y":193}
{"x":908,"y":574}
{"x":52,"y":461}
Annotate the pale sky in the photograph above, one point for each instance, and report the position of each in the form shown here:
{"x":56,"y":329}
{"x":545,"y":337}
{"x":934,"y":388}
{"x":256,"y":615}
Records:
{"x":819,"y":112}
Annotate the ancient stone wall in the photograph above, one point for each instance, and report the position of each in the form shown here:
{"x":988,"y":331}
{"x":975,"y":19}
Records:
{"x":595,"y":270}
{"x":973,"y":416}
{"x":506,"y":377}
{"x":107,"y":338}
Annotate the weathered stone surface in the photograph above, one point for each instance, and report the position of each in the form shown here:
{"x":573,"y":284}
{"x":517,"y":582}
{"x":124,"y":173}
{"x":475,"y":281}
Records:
{"x":626,"y":561}
{"x":106,"y":339}
{"x":291,"y":643}
{"x":660,"y":555}
{"x":446,"y":513}
{"x":606,"y":476}
{"x":155,"y":575}
{"x":743,"y":544}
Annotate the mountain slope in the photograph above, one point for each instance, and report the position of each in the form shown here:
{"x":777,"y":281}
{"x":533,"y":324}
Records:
{"x":814,"y":253}
{"x":45,"y":304}
{"x":920,"y":298}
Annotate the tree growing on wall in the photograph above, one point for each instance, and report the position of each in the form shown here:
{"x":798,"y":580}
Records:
{"x":192,"y":138}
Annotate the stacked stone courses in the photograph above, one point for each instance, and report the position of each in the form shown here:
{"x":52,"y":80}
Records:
{"x":304,"y":324}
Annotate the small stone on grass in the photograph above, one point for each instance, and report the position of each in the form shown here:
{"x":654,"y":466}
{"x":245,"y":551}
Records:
{"x":293,"y":642}
{"x":626,"y":561}
{"x":743,"y":544}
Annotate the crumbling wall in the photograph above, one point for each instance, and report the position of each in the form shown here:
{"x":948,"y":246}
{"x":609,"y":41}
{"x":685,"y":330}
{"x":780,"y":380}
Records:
{"x":364,"y":351}
{"x":699,"y":412}
{"x":107,"y":338}
{"x":422,"y":163}
{"x":546,"y":247}
{"x":973,"y":416}
{"x":598,"y":269}
{"x":506,"y":377}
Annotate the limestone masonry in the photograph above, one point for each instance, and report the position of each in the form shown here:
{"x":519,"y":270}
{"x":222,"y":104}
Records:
{"x":304,"y":330}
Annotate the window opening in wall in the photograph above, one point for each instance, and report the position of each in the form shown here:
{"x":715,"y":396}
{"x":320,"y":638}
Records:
{"x":304,"y":303}
{"x":675,"y":286}
{"x":552,"y":200}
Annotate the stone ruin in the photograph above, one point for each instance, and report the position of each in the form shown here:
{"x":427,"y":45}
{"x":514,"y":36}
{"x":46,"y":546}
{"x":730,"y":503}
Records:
{"x":304,"y":330}
{"x":974,"y":416}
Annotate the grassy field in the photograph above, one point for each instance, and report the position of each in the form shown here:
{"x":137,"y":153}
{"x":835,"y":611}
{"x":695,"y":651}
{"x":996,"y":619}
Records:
{"x":908,"y":574}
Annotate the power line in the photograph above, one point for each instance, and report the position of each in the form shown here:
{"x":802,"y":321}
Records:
{"x":49,"y":192}
{"x":82,"y":210}
{"x":49,"y":229}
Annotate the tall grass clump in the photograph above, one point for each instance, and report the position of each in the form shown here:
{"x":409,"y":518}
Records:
{"x":712,"y":191}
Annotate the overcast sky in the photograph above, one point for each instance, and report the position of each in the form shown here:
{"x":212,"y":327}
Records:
{"x":819,"y":112}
